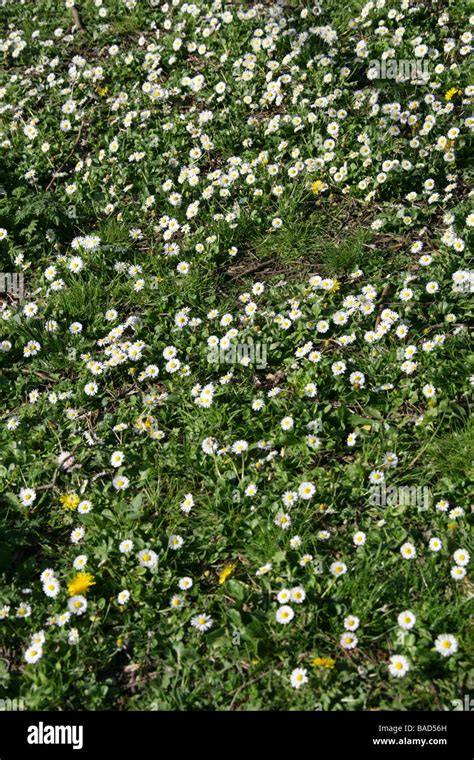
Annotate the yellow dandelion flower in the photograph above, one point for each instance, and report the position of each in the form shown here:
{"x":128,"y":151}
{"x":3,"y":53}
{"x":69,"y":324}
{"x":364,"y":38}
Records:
{"x":80,"y":584}
{"x":226,"y":572}
{"x":323,"y":662}
{"x":102,"y":91}
{"x":451,"y":93}
{"x":69,"y":500}
{"x":335,"y":287}
{"x":317,"y":187}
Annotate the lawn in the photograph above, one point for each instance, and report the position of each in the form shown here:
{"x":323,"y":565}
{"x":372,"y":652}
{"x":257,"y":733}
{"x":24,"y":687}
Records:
{"x":235,"y":435}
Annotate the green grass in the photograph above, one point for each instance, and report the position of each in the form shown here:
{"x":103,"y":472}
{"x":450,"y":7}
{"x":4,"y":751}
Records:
{"x":145,"y":654}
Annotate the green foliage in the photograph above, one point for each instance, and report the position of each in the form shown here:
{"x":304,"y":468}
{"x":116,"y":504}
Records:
{"x":286,"y":204}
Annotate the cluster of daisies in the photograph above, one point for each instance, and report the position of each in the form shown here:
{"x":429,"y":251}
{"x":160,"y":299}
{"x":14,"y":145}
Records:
{"x":398,"y":665}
